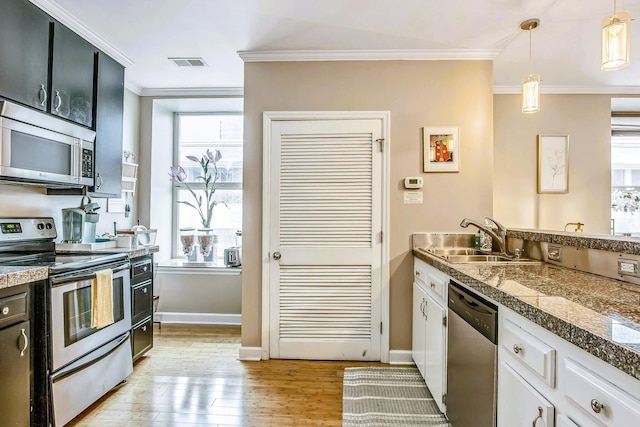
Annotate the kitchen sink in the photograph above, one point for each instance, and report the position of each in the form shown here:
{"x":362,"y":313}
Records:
{"x":472,"y":255}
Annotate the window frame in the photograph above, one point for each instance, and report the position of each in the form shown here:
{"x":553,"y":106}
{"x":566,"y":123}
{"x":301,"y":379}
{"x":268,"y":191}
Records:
{"x":176,"y":187}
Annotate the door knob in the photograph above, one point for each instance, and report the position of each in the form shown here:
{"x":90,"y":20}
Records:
{"x":277,"y":255}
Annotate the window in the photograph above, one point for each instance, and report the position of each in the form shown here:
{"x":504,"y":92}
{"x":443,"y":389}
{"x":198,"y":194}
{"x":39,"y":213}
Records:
{"x":625,"y":185}
{"x":197,"y":133}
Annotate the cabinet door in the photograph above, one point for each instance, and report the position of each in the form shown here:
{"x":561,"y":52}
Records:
{"x":72,"y":77}
{"x":15,"y":393}
{"x":519,"y":404}
{"x":418,"y":341}
{"x":109,"y":120}
{"x":24,"y":53}
{"x":435,"y":351}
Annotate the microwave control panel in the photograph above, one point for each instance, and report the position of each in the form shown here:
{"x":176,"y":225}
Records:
{"x":87,"y":163}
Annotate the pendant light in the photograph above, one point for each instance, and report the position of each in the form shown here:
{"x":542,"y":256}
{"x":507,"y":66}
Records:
{"x":615,"y":40}
{"x":531,"y":82}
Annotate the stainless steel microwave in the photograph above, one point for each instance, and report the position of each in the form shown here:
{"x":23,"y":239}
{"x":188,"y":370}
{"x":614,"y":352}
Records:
{"x":44,"y":150}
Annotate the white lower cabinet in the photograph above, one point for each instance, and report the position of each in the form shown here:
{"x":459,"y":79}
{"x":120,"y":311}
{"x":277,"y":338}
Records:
{"x":583,"y":390}
{"x":519,"y":404}
{"x":601,"y":399}
{"x":419,"y":333}
{"x":429,"y":344}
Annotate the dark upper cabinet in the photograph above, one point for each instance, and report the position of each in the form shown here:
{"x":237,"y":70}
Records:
{"x":24,"y":53}
{"x":72,"y":76}
{"x":45,"y":65}
{"x":109,"y":121}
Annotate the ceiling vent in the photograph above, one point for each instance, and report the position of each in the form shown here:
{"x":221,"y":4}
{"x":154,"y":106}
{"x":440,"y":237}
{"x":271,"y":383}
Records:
{"x":189,"y":62}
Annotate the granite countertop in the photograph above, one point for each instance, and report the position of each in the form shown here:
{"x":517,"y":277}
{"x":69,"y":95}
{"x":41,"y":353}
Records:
{"x":132,"y":252}
{"x":597,"y":314}
{"x":14,"y":276}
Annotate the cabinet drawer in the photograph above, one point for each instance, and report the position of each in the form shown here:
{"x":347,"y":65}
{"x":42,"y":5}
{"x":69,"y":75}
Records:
{"x":420,"y":274}
{"x":13,"y":309}
{"x":602,"y":400}
{"x":530,"y":351}
{"x":141,"y":301}
{"x":437,"y":283}
{"x":141,"y":269}
{"x":142,"y":338}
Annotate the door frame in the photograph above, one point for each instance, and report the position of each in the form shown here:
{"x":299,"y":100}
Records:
{"x":268,"y":117}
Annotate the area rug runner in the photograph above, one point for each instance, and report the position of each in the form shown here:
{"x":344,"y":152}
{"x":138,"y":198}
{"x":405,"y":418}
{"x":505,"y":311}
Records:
{"x":388,"y":397}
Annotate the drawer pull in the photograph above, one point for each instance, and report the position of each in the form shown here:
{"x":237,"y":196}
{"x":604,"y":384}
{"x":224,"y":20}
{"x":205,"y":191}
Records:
{"x":433,"y":285}
{"x":596,"y":406}
{"x":539,"y":417}
{"x":144,"y":290}
{"x":144,"y":328}
{"x":517,"y":348}
{"x":417,"y":274}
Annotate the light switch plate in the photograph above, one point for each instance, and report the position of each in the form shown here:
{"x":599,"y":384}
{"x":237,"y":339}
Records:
{"x":554,"y":253}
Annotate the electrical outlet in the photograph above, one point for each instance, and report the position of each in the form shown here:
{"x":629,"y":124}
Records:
{"x":627,"y":267}
{"x":554,"y":253}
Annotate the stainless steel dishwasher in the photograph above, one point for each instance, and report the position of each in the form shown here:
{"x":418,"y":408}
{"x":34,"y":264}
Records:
{"x":471,"y":359}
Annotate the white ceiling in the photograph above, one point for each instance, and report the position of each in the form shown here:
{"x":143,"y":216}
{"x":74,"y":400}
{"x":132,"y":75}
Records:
{"x":144,"y":33}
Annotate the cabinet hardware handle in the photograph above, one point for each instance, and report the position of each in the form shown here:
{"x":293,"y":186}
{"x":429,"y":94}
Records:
{"x":144,"y":328}
{"x":539,"y":417}
{"x":277,"y":255}
{"x":99,"y":180}
{"x":5,"y":310}
{"x":144,"y":290}
{"x":517,"y":348}
{"x":426,"y":303}
{"x":596,"y":406}
{"x":26,"y":342}
{"x":42,"y":95}
{"x":433,"y":285}
{"x":417,"y":274}
{"x":58,"y":99}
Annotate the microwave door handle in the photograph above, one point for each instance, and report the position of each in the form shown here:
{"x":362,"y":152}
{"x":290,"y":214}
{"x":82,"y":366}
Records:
{"x":75,"y":156}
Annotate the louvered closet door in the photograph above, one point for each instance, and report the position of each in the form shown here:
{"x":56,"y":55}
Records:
{"x":326,"y":194}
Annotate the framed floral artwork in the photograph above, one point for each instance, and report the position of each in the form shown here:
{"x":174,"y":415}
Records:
{"x":553,"y":164}
{"x":441,"y":149}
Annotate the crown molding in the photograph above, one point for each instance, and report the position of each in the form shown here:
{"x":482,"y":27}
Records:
{"x":67,"y":19}
{"x":572,"y":90}
{"x":231,"y":92}
{"x":368,"y":55}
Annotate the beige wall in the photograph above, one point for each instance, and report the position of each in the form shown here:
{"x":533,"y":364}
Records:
{"x":587,"y":121}
{"x":418,"y":94}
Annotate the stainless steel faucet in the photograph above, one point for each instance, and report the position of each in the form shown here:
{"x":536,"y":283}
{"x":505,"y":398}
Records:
{"x":500,"y":239}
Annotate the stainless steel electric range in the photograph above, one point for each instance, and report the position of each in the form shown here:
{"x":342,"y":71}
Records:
{"x":83,"y":362}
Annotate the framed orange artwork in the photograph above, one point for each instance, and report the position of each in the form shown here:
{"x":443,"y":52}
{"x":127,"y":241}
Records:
{"x":441,"y":149}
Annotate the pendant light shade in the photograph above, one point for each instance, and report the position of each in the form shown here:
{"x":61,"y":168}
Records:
{"x":616,"y":40}
{"x":531,"y":94}
{"x":531,"y":82}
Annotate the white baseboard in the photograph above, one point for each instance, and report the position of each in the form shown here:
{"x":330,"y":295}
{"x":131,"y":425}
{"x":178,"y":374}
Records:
{"x":203,"y":318}
{"x":252,"y":354}
{"x":400,"y":357}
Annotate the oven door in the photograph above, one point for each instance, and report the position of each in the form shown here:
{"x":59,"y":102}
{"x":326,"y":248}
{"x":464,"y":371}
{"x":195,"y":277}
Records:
{"x":71,"y":333}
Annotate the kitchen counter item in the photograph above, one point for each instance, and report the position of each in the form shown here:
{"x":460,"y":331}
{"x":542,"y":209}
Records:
{"x":233,"y":257}
{"x":141,"y":236}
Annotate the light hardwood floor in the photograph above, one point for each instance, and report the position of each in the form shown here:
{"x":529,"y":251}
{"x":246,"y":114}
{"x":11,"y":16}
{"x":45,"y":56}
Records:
{"x":192,"y":377}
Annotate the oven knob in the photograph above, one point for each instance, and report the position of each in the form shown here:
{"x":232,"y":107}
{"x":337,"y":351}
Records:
{"x":49,"y":226}
{"x":5,"y":310}
{"x":40,"y":226}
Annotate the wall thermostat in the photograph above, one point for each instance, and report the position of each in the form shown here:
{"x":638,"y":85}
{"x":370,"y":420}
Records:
{"x":413,"y":182}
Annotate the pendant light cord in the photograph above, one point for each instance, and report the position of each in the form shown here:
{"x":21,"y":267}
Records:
{"x":530,"y":53}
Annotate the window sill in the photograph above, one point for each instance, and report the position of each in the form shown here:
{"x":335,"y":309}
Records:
{"x":181,"y":266}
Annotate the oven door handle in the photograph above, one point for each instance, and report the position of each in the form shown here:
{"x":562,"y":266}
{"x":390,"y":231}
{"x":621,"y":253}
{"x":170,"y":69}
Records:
{"x":91,"y":358}
{"x":83,"y":276}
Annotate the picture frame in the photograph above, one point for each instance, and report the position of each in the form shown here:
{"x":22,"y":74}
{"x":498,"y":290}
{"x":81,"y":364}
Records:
{"x":553,"y":164}
{"x":441,"y":149}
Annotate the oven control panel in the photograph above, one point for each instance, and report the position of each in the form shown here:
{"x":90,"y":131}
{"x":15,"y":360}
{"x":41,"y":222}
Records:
{"x":27,"y":228}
